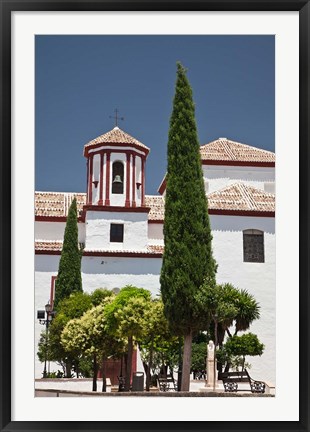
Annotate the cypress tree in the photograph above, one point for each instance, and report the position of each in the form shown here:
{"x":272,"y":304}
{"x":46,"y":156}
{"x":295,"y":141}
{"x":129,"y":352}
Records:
{"x":187,"y":259}
{"x":69,"y":277}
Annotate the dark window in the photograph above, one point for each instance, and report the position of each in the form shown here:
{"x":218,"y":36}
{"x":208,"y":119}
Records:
{"x":41,"y":314}
{"x":253,"y":246}
{"x":117,"y":233}
{"x":118,"y":178}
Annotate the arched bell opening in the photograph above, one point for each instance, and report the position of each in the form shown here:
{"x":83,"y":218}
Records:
{"x":118,"y":178}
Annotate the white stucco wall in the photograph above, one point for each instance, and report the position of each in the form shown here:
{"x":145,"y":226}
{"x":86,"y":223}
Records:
{"x":257,"y":278}
{"x":112,"y":272}
{"x":138,"y":180}
{"x":155,"y":233}
{"x":116,"y":272}
{"x":55,"y":231}
{"x":219,"y":177}
{"x":96,"y":176}
{"x":46,"y":266}
{"x":98,"y":230}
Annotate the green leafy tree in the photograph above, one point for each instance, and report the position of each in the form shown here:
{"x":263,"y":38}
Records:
{"x":199,"y":354}
{"x":187,"y":259}
{"x":157,"y":341}
{"x":101,"y":295}
{"x":231,"y":361}
{"x":69,"y":278}
{"x":246,"y":345}
{"x":220,"y":306}
{"x":248,"y":310}
{"x":227,"y":306}
{"x":88,"y":336}
{"x":69,"y":308}
{"x":126,"y":318}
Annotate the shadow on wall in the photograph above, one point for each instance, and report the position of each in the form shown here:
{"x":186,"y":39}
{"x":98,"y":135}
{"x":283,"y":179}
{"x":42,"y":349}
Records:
{"x":237,"y":223}
{"x":115,"y":265}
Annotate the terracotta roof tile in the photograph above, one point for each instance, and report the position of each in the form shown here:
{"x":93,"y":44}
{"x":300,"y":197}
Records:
{"x":116,"y":136}
{"x":157,"y":206}
{"x":46,"y":245}
{"x":151,"y":249}
{"x":240,"y":196}
{"x":56,"y":246}
{"x":155,"y":249}
{"x":57,"y":203}
{"x":224,"y":149}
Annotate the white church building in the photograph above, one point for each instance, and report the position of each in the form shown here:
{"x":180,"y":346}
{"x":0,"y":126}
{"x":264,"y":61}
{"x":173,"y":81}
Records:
{"x":121,"y":228}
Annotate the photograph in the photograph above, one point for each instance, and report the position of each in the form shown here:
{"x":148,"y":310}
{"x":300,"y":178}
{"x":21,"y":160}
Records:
{"x":155,"y":192}
{"x":154,"y":219}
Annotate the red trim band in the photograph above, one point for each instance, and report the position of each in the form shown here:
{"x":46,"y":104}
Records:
{"x":162,"y":186}
{"x":116,"y":209}
{"x":250,"y":213}
{"x":238,"y":163}
{"x":107,"y":187}
{"x":55,"y":219}
{"x":134,"y":180}
{"x":87,"y":182}
{"x":242,"y":213}
{"x":127,"y":201}
{"x":100,"y":202}
{"x":52,"y":295}
{"x":91,"y":179}
{"x":142,"y":181}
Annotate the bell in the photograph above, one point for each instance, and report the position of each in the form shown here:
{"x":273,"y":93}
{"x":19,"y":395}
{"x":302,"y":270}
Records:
{"x":117,"y":179}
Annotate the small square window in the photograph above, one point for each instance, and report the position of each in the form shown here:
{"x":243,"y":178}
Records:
{"x":117,"y":233}
{"x":41,"y":314}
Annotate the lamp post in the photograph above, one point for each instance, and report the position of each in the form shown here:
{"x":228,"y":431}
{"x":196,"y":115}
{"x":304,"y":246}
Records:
{"x":45,"y":317}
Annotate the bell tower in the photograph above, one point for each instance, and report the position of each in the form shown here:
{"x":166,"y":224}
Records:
{"x":116,"y":170}
{"x":115,"y":211}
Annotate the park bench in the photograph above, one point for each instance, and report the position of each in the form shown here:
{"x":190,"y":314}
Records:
{"x":232,"y":379}
{"x":167,"y":383}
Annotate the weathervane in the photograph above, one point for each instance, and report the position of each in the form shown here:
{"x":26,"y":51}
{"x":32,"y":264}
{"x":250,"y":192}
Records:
{"x":116,"y":117}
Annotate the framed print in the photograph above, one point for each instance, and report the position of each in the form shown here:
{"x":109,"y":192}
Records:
{"x":103,"y":77}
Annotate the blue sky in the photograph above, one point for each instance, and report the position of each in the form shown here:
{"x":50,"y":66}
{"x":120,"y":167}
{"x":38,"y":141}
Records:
{"x":80,"y":80}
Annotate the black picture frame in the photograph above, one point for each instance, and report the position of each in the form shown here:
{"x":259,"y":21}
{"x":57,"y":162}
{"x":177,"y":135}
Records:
{"x":9,"y":6}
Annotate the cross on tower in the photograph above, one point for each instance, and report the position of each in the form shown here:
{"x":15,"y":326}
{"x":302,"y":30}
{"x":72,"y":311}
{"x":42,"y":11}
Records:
{"x":116,"y":117}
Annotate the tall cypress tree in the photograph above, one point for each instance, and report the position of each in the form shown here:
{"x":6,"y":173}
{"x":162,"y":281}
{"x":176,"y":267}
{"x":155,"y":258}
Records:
{"x":69,"y":277}
{"x":187,"y":259}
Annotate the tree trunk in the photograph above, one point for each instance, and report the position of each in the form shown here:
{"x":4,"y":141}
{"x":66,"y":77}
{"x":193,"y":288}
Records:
{"x":104,"y":378}
{"x":129,"y":364}
{"x":121,"y":371}
{"x":227,"y":367}
{"x":187,"y":357}
{"x":68,"y":369}
{"x":95,"y":368}
{"x":180,"y":365}
{"x":148,"y":373}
